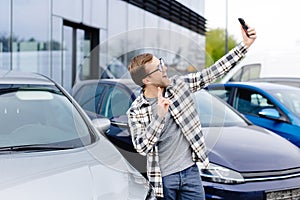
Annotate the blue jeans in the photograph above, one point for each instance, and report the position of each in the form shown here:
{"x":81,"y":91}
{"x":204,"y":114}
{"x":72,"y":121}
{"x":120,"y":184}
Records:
{"x":183,"y":185}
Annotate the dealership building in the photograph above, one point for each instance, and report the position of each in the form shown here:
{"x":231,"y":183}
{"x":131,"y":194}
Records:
{"x":72,"y":40}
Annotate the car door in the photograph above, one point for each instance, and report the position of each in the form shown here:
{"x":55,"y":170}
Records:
{"x":252,"y":103}
{"x":116,"y":101}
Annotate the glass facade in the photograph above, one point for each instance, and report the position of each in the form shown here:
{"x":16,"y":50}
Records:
{"x":6,"y":40}
{"x":72,"y":40}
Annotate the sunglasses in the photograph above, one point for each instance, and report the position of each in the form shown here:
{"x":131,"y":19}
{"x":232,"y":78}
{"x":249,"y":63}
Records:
{"x":159,"y":67}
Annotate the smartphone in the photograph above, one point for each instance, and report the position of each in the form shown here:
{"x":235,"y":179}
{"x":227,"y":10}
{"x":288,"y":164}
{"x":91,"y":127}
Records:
{"x":245,"y":27}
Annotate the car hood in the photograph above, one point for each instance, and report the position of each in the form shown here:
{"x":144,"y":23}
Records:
{"x":250,"y":148}
{"x":94,"y":172}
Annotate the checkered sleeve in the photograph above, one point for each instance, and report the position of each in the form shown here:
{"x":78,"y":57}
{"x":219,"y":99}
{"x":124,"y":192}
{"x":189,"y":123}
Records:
{"x":201,"y":79}
{"x":144,"y":134}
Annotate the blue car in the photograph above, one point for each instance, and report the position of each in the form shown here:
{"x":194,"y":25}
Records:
{"x":273,"y":106}
{"x":243,"y":165}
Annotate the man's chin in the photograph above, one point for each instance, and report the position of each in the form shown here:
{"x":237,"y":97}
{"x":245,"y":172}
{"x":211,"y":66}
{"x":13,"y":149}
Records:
{"x":166,"y":82}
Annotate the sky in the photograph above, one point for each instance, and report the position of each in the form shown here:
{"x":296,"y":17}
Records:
{"x":276,"y":22}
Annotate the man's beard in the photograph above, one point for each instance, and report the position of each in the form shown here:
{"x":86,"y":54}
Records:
{"x":161,"y":85}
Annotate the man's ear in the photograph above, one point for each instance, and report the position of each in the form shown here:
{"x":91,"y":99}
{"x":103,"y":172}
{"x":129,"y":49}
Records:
{"x":146,"y":81}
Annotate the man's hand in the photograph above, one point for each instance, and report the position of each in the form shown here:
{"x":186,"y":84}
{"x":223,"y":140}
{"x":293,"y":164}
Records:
{"x":162,"y":104}
{"x":252,"y":36}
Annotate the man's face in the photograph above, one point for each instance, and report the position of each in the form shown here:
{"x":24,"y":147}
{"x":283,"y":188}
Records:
{"x":157,"y":73}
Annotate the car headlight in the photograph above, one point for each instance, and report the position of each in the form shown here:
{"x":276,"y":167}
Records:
{"x":219,"y":174}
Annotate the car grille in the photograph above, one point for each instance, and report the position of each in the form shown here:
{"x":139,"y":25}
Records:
{"x":291,"y":194}
{"x":271,"y":175}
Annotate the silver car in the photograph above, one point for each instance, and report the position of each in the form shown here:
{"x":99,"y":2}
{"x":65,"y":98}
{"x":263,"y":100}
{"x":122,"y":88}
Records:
{"x":49,"y":148}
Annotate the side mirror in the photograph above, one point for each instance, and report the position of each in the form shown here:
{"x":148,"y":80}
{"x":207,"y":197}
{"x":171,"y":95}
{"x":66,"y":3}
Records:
{"x":101,"y":124}
{"x":271,"y":113}
{"x":120,"y":121}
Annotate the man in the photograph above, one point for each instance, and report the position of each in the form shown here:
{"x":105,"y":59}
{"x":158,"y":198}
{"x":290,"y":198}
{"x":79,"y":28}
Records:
{"x":164,"y":123}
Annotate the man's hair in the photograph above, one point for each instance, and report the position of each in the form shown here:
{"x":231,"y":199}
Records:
{"x":137,"y":69}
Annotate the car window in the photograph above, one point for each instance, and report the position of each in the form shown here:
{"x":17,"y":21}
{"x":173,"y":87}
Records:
{"x":116,"y":102}
{"x":289,"y":98}
{"x":115,"y":69}
{"x":247,"y":73}
{"x":222,"y":93}
{"x":251,"y":102}
{"x":89,"y":96}
{"x":118,"y":70}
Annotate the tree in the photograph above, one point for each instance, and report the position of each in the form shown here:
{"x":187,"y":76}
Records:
{"x":5,"y":40}
{"x":215,"y":45}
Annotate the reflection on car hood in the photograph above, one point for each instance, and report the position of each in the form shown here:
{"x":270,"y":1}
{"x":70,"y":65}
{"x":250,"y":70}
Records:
{"x":93,"y":172}
{"x":251,"y":148}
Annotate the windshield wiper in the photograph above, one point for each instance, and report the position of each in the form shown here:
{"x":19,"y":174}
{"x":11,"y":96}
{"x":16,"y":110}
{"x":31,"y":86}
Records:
{"x":15,"y":88}
{"x":33,"y":147}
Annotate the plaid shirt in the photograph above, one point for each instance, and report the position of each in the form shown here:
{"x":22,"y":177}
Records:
{"x":146,"y":127}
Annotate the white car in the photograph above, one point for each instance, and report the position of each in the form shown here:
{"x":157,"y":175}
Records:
{"x":49,"y":148}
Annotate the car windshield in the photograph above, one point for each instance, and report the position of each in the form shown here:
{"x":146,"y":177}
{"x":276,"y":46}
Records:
{"x":214,"y":113}
{"x":40,"y":115}
{"x":289,"y":98}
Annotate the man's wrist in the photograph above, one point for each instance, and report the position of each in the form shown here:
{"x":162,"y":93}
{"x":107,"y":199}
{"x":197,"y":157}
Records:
{"x":242,"y":47}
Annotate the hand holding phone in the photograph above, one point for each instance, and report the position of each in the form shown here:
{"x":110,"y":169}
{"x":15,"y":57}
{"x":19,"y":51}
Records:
{"x":245,"y":27}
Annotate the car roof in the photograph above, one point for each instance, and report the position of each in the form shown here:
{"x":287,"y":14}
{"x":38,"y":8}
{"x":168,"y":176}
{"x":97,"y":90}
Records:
{"x":261,"y":85}
{"x":292,"y":79}
{"x":18,"y":77}
{"x":128,"y":82}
